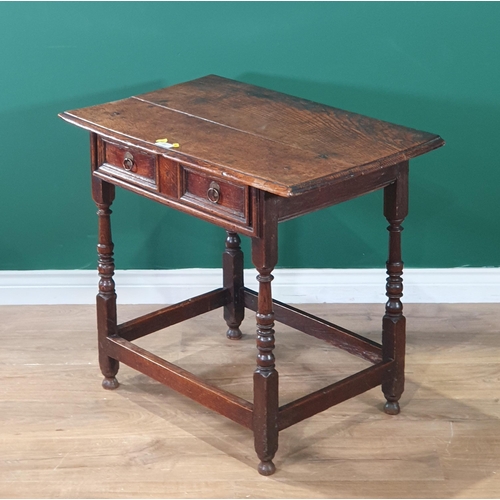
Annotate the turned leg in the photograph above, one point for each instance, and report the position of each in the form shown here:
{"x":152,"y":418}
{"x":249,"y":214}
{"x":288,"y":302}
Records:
{"x":106,"y":298}
{"x":394,"y":323}
{"x":265,"y":380}
{"x":232,"y":265}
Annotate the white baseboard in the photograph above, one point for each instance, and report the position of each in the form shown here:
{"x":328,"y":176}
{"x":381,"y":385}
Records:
{"x":458,"y":285}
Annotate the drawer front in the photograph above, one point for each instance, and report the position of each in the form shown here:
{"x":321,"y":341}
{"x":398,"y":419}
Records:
{"x":131,"y":163}
{"x":214,"y":195}
{"x":179,"y":185}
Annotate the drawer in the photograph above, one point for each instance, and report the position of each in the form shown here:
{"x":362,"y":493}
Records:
{"x":179,"y":185}
{"x":131,"y":164}
{"x":214,"y":195}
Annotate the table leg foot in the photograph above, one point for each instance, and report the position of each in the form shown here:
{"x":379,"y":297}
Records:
{"x":392,"y":408}
{"x":110,"y":383}
{"x":234,"y":333}
{"x":266,"y":468}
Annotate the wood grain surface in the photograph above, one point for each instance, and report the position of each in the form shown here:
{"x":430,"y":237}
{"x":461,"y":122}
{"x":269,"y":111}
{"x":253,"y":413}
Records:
{"x":63,"y":436}
{"x":272,"y":141}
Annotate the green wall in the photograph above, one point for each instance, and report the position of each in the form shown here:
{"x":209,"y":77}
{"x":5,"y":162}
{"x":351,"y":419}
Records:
{"x":431,"y":66}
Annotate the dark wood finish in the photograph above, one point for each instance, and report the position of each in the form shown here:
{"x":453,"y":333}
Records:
{"x":265,"y":379}
{"x":103,"y":194}
{"x":182,"y":381}
{"x":179,"y":186}
{"x":203,"y":212}
{"x":232,"y":267}
{"x":171,"y":315}
{"x":213,"y":194}
{"x":169,"y":178}
{"x":131,"y":160}
{"x":257,"y":137}
{"x":339,"y":139}
{"x":248,"y":159}
{"x":394,"y":323}
{"x":345,"y":188}
{"x":325,"y":398}
{"x":320,"y":328}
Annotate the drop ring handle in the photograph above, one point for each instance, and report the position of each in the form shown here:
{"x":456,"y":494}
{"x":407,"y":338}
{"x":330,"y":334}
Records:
{"x":128,"y":162}
{"x":213,"y":193}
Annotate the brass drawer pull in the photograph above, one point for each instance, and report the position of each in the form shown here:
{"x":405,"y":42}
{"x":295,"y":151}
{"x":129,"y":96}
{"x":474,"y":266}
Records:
{"x":128,"y":162}
{"x":213,"y":193}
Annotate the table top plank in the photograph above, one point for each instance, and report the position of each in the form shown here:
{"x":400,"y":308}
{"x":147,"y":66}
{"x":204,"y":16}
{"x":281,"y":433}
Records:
{"x":297,"y":122}
{"x":230,"y":153}
{"x":265,"y":139}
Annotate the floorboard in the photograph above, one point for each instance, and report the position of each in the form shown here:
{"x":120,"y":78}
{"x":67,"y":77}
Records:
{"x":63,"y":436}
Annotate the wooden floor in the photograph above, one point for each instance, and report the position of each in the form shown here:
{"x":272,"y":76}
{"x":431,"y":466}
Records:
{"x":61,"y":435}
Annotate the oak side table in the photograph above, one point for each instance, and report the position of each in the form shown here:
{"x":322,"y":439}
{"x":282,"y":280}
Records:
{"x":246,"y":158}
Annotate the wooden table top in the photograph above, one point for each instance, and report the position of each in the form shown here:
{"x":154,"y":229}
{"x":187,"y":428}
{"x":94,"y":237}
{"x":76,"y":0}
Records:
{"x":272,"y":141}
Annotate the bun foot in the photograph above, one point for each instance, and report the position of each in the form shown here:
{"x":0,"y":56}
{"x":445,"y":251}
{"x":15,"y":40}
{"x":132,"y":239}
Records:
{"x":266,"y":468}
{"x":110,"y":383}
{"x":234,"y":334}
{"x":392,"y":408}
